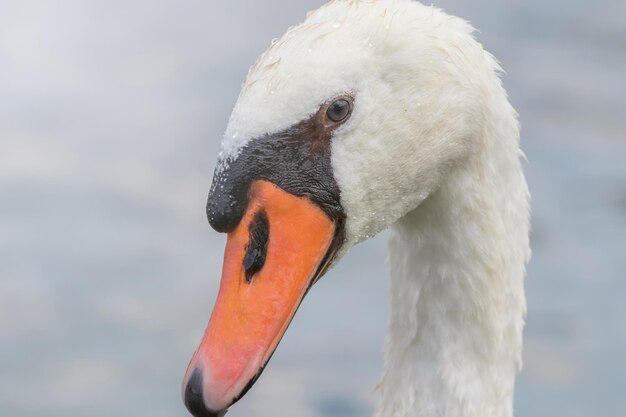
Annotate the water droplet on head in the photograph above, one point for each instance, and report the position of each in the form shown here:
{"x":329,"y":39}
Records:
{"x":274,"y":41}
{"x":336,"y":25}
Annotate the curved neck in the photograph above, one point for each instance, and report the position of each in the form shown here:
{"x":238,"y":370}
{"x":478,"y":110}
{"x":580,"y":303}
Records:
{"x":457,"y":297}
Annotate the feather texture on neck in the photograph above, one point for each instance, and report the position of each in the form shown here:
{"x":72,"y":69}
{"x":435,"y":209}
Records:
{"x":457,"y":297}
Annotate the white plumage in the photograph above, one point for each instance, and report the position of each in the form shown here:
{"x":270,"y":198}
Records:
{"x":432,"y":151}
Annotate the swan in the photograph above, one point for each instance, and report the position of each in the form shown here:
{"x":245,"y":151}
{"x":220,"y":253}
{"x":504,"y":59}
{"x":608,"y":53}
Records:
{"x":372,"y":115}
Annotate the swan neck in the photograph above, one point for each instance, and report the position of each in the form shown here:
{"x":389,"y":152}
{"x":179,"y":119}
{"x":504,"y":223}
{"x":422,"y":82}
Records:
{"x":457,"y":297}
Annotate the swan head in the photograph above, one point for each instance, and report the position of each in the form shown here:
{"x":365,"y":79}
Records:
{"x":343,"y":126}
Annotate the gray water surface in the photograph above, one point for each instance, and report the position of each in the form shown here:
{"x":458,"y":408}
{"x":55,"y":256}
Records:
{"x":110,"y":117}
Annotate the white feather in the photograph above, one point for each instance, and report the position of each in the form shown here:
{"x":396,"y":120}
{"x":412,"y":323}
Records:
{"x":432,"y":148}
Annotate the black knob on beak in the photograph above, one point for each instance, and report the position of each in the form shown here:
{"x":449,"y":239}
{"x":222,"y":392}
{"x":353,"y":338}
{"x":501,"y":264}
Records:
{"x":227,"y":198}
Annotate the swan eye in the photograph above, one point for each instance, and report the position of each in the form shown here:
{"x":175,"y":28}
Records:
{"x":339,"y":110}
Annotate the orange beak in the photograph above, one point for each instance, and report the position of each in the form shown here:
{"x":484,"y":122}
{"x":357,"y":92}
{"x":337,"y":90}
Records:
{"x":272,"y":258}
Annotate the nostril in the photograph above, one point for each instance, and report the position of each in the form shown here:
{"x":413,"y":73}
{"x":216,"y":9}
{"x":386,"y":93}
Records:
{"x":256,"y":253}
{"x":194,"y":400}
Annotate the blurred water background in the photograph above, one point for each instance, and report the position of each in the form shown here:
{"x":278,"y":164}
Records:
{"x":110,"y":118}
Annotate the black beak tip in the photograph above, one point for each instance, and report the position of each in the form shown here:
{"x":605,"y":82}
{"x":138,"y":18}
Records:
{"x":194,"y":400}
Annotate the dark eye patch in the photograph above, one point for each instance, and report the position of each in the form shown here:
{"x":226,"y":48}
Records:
{"x":296,"y":159}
